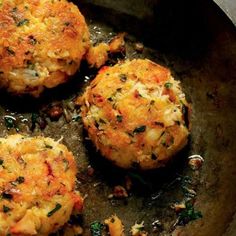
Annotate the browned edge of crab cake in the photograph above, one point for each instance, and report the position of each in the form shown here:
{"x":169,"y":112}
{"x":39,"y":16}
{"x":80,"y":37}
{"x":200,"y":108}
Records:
{"x":134,"y":114}
{"x":42,"y":43}
{"x":37,"y":185}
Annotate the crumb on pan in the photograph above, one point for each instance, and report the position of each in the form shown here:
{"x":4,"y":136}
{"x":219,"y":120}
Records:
{"x":37,"y":185}
{"x":138,"y":229}
{"x":41,"y":44}
{"x":135,"y":114}
{"x":117,"y":44}
{"x":115,"y":226}
{"x":97,"y":55}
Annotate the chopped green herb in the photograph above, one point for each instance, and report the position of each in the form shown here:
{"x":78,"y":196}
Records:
{"x":34,"y":120}
{"x":96,"y":124}
{"x":152,"y":102}
{"x":110,"y":99}
{"x":96,"y":228}
{"x":22,"y":22}
{"x":32,"y":40}
{"x":5,"y":209}
{"x":7,"y":196}
{"x":76,"y":118}
{"x":10,"y":122}
{"x":20,"y":180}
{"x":184,"y":109}
{"x":177,"y":122}
{"x":140,"y":129}
{"x":188,"y":214}
{"x":67,"y":23}
{"x":119,"y":118}
{"x":1,"y":162}
{"x":66,"y":163}
{"x":168,"y":85}
{"x":130,"y":134}
{"x":10,"y":51}
{"x":159,"y":123}
{"x":14,"y":9}
{"x":123,"y":77}
{"x":57,"y":207}
{"x":30,"y":65}
{"x":48,"y":146}
{"x":102,"y":121}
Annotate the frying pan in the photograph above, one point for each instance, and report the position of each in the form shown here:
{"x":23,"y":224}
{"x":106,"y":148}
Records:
{"x":197,"y":41}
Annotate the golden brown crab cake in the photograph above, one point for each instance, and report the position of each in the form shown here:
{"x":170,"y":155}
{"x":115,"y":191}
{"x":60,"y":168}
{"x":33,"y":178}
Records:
{"x":37,"y":185}
{"x":42,"y":42}
{"x":135,"y":114}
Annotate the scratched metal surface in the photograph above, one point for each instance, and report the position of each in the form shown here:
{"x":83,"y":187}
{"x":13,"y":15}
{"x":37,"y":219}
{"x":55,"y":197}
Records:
{"x":198,"y":43}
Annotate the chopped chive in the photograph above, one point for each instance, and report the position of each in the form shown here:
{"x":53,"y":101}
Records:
{"x":102,"y":121}
{"x":10,"y":122}
{"x":6,"y":209}
{"x":20,"y":180}
{"x":159,"y":123}
{"x":10,"y":51}
{"x":96,"y":228}
{"x":32,"y":40}
{"x":66,"y":163}
{"x":168,"y":85}
{"x":76,"y":118}
{"x":48,"y":146}
{"x":189,"y":214}
{"x":119,"y":118}
{"x":22,"y":22}
{"x":123,"y":77}
{"x":140,"y":129}
{"x":152,"y":102}
{"x":57,"y":207}
{"x":7,"y":196}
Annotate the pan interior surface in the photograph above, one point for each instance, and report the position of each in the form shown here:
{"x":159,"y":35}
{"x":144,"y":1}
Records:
{"x":198,"y":43}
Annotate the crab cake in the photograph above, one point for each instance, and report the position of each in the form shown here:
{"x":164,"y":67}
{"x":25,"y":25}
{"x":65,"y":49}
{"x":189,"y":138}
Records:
{"x":37,"y":185}
{"x":135,"y":113}
{"x":42,"y":42}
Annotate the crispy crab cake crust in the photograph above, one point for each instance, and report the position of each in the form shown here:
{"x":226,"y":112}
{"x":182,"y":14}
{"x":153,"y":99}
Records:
{"x":37,"y":185}
{"x":42,"y":42}
{"x":134,"y":114}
